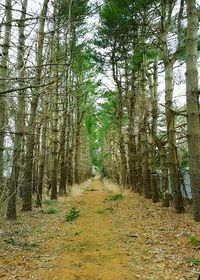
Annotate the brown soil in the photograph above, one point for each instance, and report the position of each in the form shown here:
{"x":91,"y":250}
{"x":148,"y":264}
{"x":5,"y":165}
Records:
{"x":128,"y":239}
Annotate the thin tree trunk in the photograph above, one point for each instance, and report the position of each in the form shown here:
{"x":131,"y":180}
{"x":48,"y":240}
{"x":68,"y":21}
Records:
{"x":171,"y":137}
{"x":3,"y":84}
{"x":193,"y":124}
{"x":28,"y":164}
{"x":42,"y":158}
{"x":63,"y":169}
{"x":153,"y":88}
{"x":54,"y":167}
{"x":20,"y":119}
{"x":77,"y":141}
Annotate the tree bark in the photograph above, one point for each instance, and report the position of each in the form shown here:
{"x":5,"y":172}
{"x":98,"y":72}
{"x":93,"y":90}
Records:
{"x":28,"y":161}
{"x":171,"y":137}
{"x":3,"y":84}
{"x":193,"y":123}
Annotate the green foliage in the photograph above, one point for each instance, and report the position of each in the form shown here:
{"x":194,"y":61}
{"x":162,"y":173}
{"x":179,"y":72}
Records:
{"x":152,"y":54}
{"x":91,"y":190}
{"x":52,"y":211}
{"x":101,"y":211}
{"x":72,"y":215}
{"x":194,"y":241}
{"x":24,"y":245}
{"x":109,"y":208}
{"x":77,"y":233}
{"x":116,"y":197}
{"x":79,"y":10}
{"x":12,"y":241}
{"x":194,"y":260}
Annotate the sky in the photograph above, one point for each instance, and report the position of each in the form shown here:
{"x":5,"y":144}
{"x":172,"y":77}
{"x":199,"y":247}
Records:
{"x":34,"y":7}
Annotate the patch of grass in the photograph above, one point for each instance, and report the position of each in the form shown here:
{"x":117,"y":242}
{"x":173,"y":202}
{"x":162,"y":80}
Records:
{"x":194,"y":241}
{"x":101,"y":211}
{"x":49,"y":202}
{"x":109,"y":208}
{"x":91,"y":190}
{"x":29,"y":246}
{"x":72,"y":215}
{"x":116,"y":197}
{"x":52,"y":211}
{"x":194,"y":260}
{"x":12,"y":241}
{"x":77,"y":233}
{"x":25,"y":245}
{"x":107,"y":258}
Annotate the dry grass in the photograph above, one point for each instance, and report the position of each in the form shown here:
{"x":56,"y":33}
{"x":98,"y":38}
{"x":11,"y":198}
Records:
{"x":136,"y":240}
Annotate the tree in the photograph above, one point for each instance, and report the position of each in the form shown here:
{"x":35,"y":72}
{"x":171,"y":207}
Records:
{"x":28,"y":165}
{"x":20,"y":117}
{"x":192,"y":93}
{"x":4,"y":74}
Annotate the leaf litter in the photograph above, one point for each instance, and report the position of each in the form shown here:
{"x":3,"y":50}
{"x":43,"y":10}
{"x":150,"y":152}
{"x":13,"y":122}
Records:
{"x":136,"y":240}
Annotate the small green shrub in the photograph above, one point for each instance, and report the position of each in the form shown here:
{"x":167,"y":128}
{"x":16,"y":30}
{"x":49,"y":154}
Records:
{"x":52,"y":211}
{"x":12,"y":241}
{"x":77,"y":233}
{"x":194,"y":241}
{"x":194,"y":260}
{"x":72,"y":215}
{"x":116,"y":197}
{"x":109,"y":208}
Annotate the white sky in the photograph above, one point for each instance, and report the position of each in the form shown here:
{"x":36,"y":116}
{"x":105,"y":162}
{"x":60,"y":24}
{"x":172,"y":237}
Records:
{"x":34,"y":8}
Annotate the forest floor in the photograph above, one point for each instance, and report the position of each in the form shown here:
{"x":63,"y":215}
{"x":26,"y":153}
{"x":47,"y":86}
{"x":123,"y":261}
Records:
{"x":115,"y":237}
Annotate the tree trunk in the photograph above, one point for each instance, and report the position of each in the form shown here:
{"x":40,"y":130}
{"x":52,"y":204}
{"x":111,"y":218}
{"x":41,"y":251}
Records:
{"x":153,"y":88}
{"x":20,"y":119}
{"x":171,"y":137}
{"x":63,"y":168}
{"x":3,"y":84}
{"x":146,"y":183}
{"x":193,"y":124}
{"x":42,"y":157}
{"x":54,"y":167}
{"x":28,"y":161}
{"x":77,"y":135}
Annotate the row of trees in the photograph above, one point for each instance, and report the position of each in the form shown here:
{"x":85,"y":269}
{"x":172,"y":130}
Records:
{"x":137,"y":41}
{"x":46,"y":89}
{"x":52,"y":129}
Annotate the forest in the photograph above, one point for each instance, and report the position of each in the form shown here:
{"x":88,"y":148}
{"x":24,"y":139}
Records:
{"x":99,"y":106}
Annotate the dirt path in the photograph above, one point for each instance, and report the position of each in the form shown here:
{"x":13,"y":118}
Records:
{"x":126,"y":239}
{"x":93,"y":251}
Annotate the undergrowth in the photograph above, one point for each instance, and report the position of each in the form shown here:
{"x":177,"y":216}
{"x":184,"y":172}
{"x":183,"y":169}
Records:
{"x":52,"y":211}
{"x":72,"y":215}
{"x":116,"y":197}
{"x":24,"y":245}
{"x":102,"y":211}
{"x":194,"y":260}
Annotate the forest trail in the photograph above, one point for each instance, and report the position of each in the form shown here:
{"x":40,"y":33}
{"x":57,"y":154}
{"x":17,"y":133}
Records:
{"x":93,"y":250}
{"x":112,"y":239}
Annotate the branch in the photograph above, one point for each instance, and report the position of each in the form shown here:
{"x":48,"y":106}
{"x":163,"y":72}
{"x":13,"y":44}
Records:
{"x":24,"y":88}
